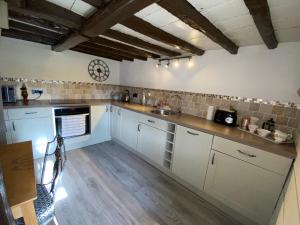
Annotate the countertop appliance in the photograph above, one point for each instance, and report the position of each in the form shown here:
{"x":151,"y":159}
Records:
{"x":72,"y":121}
{"x":126,"y":96}
{"x":8,"y":94}
{"x":226,"y":117}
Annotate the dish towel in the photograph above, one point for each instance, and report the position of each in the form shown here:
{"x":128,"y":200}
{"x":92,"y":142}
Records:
{"x":73,"y":125}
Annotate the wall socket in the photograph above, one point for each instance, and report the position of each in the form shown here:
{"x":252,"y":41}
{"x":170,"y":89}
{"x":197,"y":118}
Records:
{"x":37,"y":91}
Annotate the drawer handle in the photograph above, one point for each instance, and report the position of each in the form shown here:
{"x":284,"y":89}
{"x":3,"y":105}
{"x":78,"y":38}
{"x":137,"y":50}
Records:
{"x":119,"y":112}
{"x":246,"y":154}
{"x":13,"y":125}
{"x":106,"y":110}
{"x":189,"y":132}
{"x":111,"y":109}
{"x":151,"y":121}
{"x":139,"y":127}
{"x":28,"y":113}
{"x":213,"y":159}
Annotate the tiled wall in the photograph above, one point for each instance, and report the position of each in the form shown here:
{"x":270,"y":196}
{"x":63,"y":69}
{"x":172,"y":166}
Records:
{"x":287,"y":116}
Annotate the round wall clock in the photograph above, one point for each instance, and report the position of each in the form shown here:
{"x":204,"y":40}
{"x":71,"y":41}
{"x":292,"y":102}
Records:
{"x":98,"y":70}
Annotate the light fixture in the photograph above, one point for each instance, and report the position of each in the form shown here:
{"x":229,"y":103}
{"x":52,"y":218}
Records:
{"x":176,"y":64}
{"x":168,"y":64}
{"x":158,"y":64}
{"x":190,"y":63}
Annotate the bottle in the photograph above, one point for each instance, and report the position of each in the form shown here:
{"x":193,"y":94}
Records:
{"x":144,"y":99}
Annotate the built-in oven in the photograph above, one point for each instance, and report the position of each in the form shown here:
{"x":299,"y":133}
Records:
{"x":72,"y":121}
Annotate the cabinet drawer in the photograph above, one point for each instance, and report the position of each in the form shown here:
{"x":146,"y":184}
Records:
{"x":157,"y":123}
{"x":252,"y":155}
{"x":29,"y":113}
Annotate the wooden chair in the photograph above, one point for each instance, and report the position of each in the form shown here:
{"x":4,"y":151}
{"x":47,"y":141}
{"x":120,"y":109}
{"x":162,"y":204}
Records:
{"x":6,"y":217}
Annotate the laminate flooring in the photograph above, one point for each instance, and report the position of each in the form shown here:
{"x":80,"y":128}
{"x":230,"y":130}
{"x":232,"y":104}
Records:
{"x":105,"y":184}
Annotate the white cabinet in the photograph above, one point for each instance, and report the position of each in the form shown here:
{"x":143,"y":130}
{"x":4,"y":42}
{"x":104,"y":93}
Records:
{"x":7,"y":132}
{"x":129,"y":128}
{"x":191,"y":155}
{"x":100,"y":124}
{"x":116,"y":119}
{"x":151,"y":143}
{"x":247,"y":188}
{"x":31,"y":124}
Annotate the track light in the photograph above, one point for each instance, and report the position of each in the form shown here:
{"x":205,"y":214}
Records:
{"x":176,"y":64}
{"x":158,"y":64}
{"x":190,"y":63}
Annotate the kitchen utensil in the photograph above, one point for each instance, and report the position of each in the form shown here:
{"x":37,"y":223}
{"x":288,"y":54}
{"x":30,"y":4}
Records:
{"x":263,"y":132}
{"x":252,"y":127}
{"x":245,"y":122}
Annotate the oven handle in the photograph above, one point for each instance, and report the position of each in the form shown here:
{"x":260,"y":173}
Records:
{"x":85,"y":114}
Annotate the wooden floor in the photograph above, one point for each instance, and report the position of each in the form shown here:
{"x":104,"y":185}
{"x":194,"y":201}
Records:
{"x":105,"y":184}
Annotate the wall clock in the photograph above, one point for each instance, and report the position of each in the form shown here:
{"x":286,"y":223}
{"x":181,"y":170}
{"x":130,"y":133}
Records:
{"x":98,"y":70}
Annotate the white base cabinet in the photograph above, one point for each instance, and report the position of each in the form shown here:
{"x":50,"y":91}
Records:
{"x":115,"y":122}
{"x":249,"y":189}
{"x":129,"y":128}
{"x":100,"y":124}
{"x":191,"y":155}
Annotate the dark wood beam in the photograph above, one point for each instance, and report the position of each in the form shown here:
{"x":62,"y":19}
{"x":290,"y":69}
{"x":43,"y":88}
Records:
{"x":71,"y":41}
{"x":259,"y":9}
{"x":139,"y":43}
{"x":124,"y":55}
{"x":151,"y":31}
{"x":27,"y":36}
{"x":124,"y":48}
{"x":99,"y":54}
{"x":100,"y":4}
{"x":46,"y":10}
{"x":102,"y":20}
{"x":192,"y":17}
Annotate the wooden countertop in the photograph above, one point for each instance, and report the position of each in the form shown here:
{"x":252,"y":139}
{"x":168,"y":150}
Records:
{"x":193,"y":122}
{"x":18,"y":172}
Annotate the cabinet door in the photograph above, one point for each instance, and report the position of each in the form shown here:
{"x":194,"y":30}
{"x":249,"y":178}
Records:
{"x":151,"y":143}
{"x":100,"y":123}
{"x":129,"y":125}
{"x":7,"y":132}
{"x":38,"y":130}
{"x":191,"y":155}
{"x":248,"y":189}
{"x":115,"y":122}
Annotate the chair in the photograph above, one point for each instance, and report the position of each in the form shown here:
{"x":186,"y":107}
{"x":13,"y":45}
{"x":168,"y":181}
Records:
{"x":6,"y":217}
{"x":44,"y":204}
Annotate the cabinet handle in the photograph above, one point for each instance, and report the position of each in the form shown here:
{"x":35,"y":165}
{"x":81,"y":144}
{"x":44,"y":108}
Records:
{"x":189,"y":132}
{"x":13,"y":125}
{"x":111,"y":108}
{"x":106,"y":109}
{"x":119,"y":112}
{"x":246,"y":154}
{"x":151,"y":121}
{"x":139,"y":127}
{"x":28,"y":113}
{"x":213,"y":159}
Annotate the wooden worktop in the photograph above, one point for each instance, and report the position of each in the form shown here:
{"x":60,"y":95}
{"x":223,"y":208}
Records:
{"x":18,"y":171}
{"x":193,"y":122}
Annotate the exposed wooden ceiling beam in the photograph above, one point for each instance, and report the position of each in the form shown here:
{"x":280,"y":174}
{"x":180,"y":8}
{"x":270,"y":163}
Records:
{"x":97,"y":24}
{"x":122,"y":47}
{"x":27,"y":36}
{"x":259,"y":9}
{"x":124,"y":55}
{"x":46,"y":10}
{"x":192,"y":17}
{"x":98,"y":53}
{"x":151,"y":31}
{"x":98,"y":3}
{"x":139,"y":43}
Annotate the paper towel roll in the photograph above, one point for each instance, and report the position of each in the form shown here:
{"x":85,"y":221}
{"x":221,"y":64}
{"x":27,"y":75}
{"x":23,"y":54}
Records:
{"x":210,"y":112}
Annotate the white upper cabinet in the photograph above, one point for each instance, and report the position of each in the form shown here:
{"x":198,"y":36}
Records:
{"x":191,"y":155}
{"x":100,"y":123}
{"x":249,"y":189}
{"x":129,"y":128}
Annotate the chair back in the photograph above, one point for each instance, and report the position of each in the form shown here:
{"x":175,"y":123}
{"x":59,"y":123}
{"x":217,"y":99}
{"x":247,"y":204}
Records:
{"x":6,"y":217}
{"x":58,"y":157}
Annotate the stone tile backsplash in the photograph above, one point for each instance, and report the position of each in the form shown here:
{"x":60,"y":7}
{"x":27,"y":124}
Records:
{"x":286,"y":115}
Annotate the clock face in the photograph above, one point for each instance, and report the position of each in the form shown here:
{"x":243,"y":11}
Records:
{"x":98,"y":70}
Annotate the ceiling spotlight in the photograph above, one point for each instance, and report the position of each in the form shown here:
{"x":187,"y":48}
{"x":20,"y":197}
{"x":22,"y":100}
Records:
{"x":190,"y":63}
{"x":158,"y":64}
{"x":177,"y":47}
{"x":168,"y":64}
{"x":176,"y":64}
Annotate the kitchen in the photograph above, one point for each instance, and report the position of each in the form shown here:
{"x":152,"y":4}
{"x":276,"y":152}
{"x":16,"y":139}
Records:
{"x":150,"y":112}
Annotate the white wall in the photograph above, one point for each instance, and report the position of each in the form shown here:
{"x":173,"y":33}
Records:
{"x":254,"y":72}
{"x":31,"y":60}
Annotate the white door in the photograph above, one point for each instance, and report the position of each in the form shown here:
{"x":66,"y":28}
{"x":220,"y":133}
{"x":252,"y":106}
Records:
{"x":37,"y":130}
{"x":151,"y":143}
{"x":116,"y":122}
{"x":248,"y":189}
{"x":191,"y":155}
{"x":129,"y":128}
{"x":100,"y":123}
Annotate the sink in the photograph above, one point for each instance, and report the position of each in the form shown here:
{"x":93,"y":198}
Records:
{"x":163,"y":112}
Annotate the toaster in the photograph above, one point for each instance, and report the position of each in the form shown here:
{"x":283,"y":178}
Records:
{"x":226,"y":117}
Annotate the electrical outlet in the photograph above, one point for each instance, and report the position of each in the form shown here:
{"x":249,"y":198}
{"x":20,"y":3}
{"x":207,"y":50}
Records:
{"x":37,"y":91}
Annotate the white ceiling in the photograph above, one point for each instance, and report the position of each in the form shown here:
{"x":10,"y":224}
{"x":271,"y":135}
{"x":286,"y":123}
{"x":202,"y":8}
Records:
{"x":230,"y":16}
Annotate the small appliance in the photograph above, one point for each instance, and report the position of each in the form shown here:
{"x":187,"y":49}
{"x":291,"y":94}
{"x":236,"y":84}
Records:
{"x":226,"y":117}
{"x":8,"y":94}
{"x":126,"y":96}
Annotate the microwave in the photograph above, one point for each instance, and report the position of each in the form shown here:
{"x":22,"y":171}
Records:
{"x":8,"y":94}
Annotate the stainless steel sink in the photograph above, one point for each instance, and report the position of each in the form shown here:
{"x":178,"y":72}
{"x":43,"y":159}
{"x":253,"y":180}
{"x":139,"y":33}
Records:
{"x":163,"y":112}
